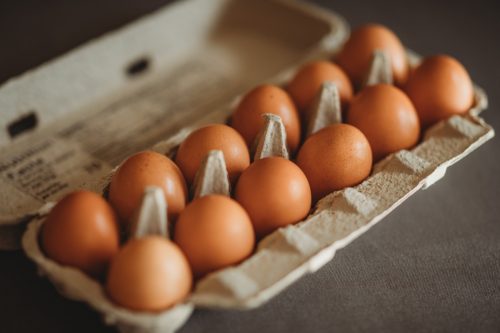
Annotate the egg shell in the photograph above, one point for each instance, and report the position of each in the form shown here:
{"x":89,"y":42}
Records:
{"x":275,"y":193}
{"x":81,"y":231}
{"x":248,"y":119}
{"x":149,"y":274}
{"x":308,"y":81}
{"x":196,"y":146}
{"x":214,"y":232}
{"x":387,"y":118}
{"x":439,"y":88}
{"x":357,"y":53}
{"x":335,"y":157}
{"x":144,"y":169}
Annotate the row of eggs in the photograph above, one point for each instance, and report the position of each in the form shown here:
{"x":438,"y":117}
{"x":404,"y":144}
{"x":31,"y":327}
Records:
{"x":214,"y":231}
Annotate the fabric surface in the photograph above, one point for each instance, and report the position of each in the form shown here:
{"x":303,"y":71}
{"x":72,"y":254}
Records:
{"x":431,"y":265}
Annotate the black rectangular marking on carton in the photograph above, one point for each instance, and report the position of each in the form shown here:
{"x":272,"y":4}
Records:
{"x":26,"y":123}
{"x":139,"y":66}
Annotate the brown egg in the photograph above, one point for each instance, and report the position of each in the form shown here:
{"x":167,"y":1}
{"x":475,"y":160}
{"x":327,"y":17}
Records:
{"x":275,"y":193}
{"x":195,"y":147}
{"x":335,"y":157}
{"x":149,"y":274}
{"x":144,"y":169}
{"x":81,"y":231}
{"x":214,"y":231}
{"x":386,"y":117}
{"x":308,"y":80}
{"x":356,"y":54}
{"x":248,"y":121}
{"x":440,"y":87}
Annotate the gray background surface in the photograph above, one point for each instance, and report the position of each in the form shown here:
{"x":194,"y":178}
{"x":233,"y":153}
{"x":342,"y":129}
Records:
{"x":432,"y":265}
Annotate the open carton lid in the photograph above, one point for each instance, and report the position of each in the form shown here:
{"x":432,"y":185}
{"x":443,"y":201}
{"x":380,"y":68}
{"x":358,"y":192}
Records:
{"x":288,"y":253}
{"x":66,"y":124}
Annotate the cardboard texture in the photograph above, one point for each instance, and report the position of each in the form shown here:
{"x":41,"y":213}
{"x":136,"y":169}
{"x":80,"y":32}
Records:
{"x":151,"y":217}
{"x":380,"y":70}
{"x":242,"y":43}
{"x":272,"y":139}
{"x":325,"y":109}
{"x":212,"y":177}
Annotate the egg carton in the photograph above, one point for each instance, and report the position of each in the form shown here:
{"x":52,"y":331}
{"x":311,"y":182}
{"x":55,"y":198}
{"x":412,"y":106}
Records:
{"x":289,"y":253}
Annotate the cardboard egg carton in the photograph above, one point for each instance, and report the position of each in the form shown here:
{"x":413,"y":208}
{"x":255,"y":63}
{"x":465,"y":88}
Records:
{"x":288,"y":253}
{"x":134,"y":87}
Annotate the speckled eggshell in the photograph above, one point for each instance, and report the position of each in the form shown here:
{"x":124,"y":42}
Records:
{"x":248,"y":121}
{"x":214,"y":232}
{"x":357,"y":52}
{"x":149,"y":274}
{"x":387,"y":118}
{"x":335,"y":157}
{"x":144,"y":169}
{"x":81,"y":231}
{"x":196,"y":146}
{"x":440,"y":87}
{"x":275,"y":193}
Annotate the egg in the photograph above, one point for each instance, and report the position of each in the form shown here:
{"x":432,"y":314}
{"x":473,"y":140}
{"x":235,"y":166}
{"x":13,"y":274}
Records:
{"x":387,"y":118}
{"x":81,"y":231}
{"x":214,"y":231}
{"x":356,"y":54}
{"x":248,"y":119}
{"x":440,"y":87}
{"x":149,"y":274}
{"x":144,"y":169}
{"x":308,"y":80}
{"x":196,"y":146}
{"x":275,"y":193}
{"x":335,"y":157}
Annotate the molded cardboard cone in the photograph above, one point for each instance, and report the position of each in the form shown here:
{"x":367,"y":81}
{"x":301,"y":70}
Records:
{"x":272,"y":139}
{"x":212,"y":177}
